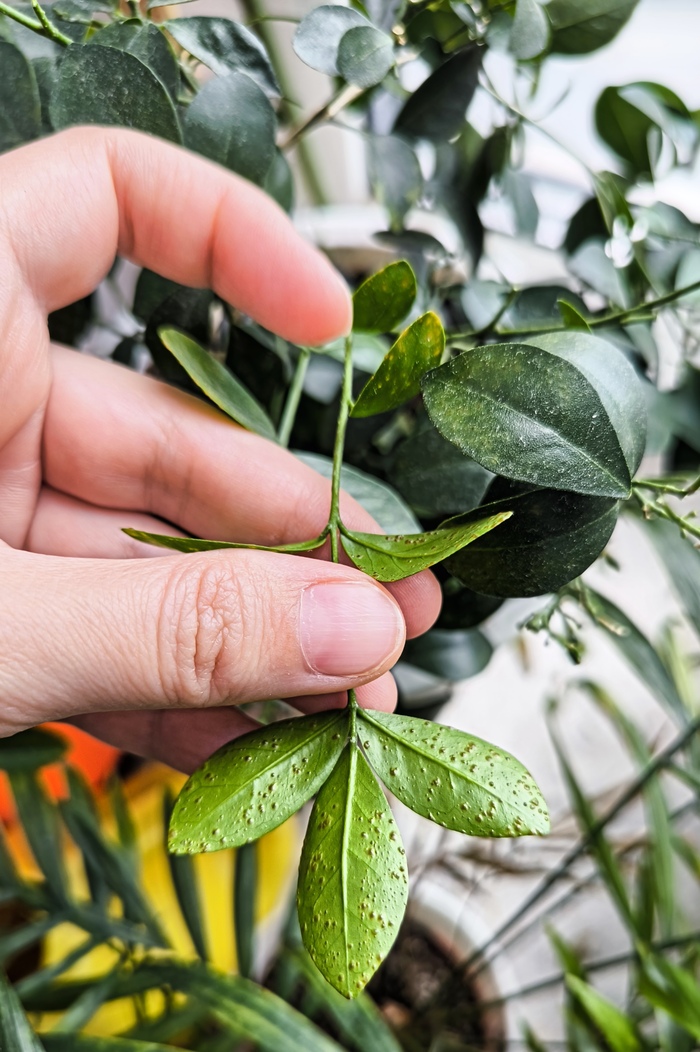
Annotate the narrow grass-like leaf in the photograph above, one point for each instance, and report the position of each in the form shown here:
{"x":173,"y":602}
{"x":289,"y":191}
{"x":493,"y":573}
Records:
{"x":88,"y":1003}
{"x":92,"y":1043}
{"x":16,"y":1033}
{"x":453,"y":778}
{"x":385,"y":299}
{"x":254,"y":783}
{"x":184,"y":878}
{"x":39,"y":818}
{"x":244,"y":900}
{"x":393,"y":558}
{"x":14,"y":942}
{"x":673,"y":990}
{"x":353,"y":882}
{"x":35,"y":983}
{"x":619,"y":1031}
{"x":192,"y":544}
{"x":126,"y":829}
{"x":682,"y":561}
{"x":418,"y":349}
{"x":217,"y":382}
{"x":30,"y":749}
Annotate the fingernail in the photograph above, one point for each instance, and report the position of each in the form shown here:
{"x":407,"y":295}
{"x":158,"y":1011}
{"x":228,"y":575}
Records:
{"x":348,"y":629}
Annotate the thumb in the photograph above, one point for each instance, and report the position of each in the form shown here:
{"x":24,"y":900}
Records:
{"x":84,"y":635}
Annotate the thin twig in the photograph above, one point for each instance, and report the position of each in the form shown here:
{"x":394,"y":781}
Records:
{"x":327,"y":112}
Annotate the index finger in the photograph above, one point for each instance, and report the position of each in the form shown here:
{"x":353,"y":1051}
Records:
{"x":170,"y":211}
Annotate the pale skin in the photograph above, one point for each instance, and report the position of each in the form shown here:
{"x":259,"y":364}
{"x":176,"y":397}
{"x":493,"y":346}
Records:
{"x":147,"y":649}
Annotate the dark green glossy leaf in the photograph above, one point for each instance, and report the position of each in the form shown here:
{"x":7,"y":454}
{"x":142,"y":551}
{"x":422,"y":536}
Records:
{"x":395,"y":175}
{"x":619,"y":1031}
{"x":231,"y":121}
{"x":353,"y":882}
{"x":218,"y":383}
{"x":673,"y":990}
{"x":152,"y":290}
{"x":437,"y":109}
{"x":530,"y":414}
{"x":147,"y":43}
{"x":552,"y":537}
{"x":534,"y":307}
{"x":39,"y":819}
{"x":436,"y":477}
{"x":365,"y":56}
{"x":244,"y":902}
{"x":318,"y":35}
{"x":580,"y":26}
{"x":20,"y":109}
{"x":255,"y":783}
{"x":453,"y":778}
{"x":418,"y":349}
{"x":464,"y":608}
{"x":192,"y":544}
{"x":391,"y":558}
{"x":384,"y":300}
{"x":530,"y":33}
{"x":98,"y":85}
{"x":16,"y":1032}
{"x":184,"y":877}
{"x":381,"y":501}
{"x":225,"y":47}
{"x":30,"y":749}
{"x":682,"y":561}
{"x":451,"y":654}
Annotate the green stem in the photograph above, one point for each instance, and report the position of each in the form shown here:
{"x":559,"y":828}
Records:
{"x":353,"y":706}
{"x":620,"y":317}
{"x":48,"y":28}
{"x":343,"y":414}
{"x":668,"y":487}
{"x":293,"y":397}
{"x":24,"y":20}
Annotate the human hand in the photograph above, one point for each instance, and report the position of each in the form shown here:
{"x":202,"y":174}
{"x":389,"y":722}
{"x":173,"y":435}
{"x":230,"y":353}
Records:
{"x":144,"y":648}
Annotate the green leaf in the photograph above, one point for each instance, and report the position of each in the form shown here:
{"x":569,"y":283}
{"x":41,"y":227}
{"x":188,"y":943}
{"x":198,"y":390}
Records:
{"x":230,"y":120}
{"x":16,"y":942}
{"x":552,"y":538}
{"x":101,"y":85}
{"x":318,"y":36}
{"x":20,"y":109}
{"x":244,"y":901}
{"x":418,"y":348}
{"x":148,"y":44}
{"x":30,"y":749}
{"x":254,"y":783}
{"x":184,"y":877}
{"x":41,"y":826}
{"x":618,"y":1030}
{"x":530,"y":33}
{"x":581,"y":26}
{"x":452,"y":778}
{"x":365,"y":56}
{"x":279,"y":181}
{"x":225,"y":47}
{"x":435,"y":477}
{"x":531,"y":414}
{"x":437,"y":109}
{"x":353,"y":883}
{"x":637,"y":651}
{"x":192,"y":544}
{"x":391,"y":558}
{"x":217,"y":382}
{"x":448,"y":653}
{"x":673,"y":990}
{"x":571,"y":316}
{"x":631,"y":118}
{"x":16,"y":1033}
{"x":384,"y":300}
{"x":682,"y":562}
{"x":395,"y":175}
{"x":535,"y":307}
{"x":382,"y":502}
{"x":93,"y":1043}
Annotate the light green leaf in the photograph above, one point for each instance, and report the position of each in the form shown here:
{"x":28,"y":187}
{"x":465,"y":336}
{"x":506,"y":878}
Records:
{"x":530,"y":414}
{"x":571,"y":316}
{"x":452,"y":778}
{"x":530,"y":33}
{"x":217,"y":382}
{"x":225,"y":47}
{"x":379,"y":499}
{"x":353,"y":882}
{"x":365,"y":56}
{"x":418,"y":348}
{"x":618,"y":1030}
{"x":192,"y":544}
{"x":101,"y":85}
{"x":384,"y":300}
{"x":16,"y":1033}
{"x":230,"y":121}
{"x":318,"y":36}
{"x":20,"y":109}
{"x":254,"y":783}
{"x":147,"y":43}
{"x":436,"y":477}
{"x":437,"y":109}
{"x":395,"y":175}
{"x":673,"y":990}
{"x":581,"y":26}
{"x":184,"y":877}
{"x":391,"y":558}
{"x":30,"y":749}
